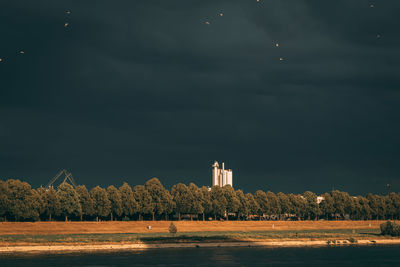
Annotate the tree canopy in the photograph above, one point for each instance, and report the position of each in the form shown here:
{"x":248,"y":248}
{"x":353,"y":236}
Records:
{"x":20,"y":202}
{"x":69,"y":200}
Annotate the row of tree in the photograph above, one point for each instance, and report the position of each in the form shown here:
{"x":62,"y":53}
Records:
{"x":151,"y":201}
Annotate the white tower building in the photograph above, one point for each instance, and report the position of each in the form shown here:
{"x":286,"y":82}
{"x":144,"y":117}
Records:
{"x":221,"y":177}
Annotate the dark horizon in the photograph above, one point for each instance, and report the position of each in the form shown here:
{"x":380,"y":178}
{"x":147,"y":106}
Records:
{"x":127,"y":91}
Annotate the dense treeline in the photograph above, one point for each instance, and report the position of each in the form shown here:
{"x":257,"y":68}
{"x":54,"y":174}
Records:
{"x":151,"y":201}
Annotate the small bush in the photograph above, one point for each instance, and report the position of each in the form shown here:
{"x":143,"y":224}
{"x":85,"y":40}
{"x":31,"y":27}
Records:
{"x":126,"y":219}
{"x":390,"y":228}
{"x":172,"y":228}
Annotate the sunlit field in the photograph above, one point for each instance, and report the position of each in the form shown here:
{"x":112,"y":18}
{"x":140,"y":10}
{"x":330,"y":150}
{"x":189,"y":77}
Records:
{"x":51,"y":228}
{"x":188,"y":231}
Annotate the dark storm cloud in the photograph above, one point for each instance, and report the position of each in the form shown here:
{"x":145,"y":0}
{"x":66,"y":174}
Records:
{"x":136,"y":89}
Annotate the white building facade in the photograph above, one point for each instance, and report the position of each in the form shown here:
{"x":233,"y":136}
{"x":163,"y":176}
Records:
{"x":221,"y":177}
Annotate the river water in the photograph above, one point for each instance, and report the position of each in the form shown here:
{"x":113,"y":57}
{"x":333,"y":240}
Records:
{"x":323,"y":256}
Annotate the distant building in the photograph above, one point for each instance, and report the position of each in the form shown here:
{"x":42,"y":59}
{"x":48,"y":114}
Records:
{"x":221,"y":177}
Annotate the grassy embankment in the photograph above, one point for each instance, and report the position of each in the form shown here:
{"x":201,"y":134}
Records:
{"x":189,"y":237}
{"x":137,"y":232}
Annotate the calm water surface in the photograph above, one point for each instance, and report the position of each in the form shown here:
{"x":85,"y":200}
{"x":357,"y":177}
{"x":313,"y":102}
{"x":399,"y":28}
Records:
{"x":327,"y":256}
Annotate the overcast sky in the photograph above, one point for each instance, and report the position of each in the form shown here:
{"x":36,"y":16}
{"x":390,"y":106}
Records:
{"x":130,"y":90}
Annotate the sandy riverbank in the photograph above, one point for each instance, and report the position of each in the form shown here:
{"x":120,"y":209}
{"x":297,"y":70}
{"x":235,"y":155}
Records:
{"x":142,"y":246}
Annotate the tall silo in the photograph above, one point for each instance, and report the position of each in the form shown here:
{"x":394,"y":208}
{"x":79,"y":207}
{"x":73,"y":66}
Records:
{"x":215,"y":177}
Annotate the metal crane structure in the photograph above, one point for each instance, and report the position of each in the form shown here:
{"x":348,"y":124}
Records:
{"x":67,"y":178}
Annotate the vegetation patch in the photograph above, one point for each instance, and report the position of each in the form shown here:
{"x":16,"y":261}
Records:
{"x":390,"y":228}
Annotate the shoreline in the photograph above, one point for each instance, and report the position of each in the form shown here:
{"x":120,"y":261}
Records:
{"x":144,"y":246}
